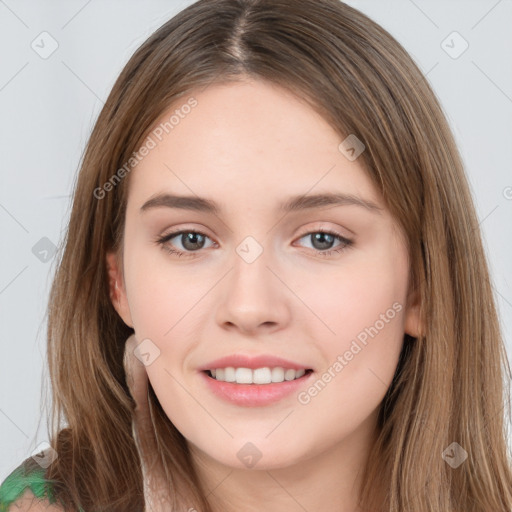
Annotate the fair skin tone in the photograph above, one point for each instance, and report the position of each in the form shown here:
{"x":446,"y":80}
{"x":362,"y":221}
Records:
{"x":248,"y":147}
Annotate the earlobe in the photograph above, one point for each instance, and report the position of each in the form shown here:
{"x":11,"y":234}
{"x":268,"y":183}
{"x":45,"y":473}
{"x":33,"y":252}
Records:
{"x":117,"y":289}
{"x":413,"y":324}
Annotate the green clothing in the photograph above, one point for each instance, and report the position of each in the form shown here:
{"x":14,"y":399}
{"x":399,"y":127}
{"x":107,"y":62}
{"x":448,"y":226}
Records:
{"x":25,"y":476}
{"x":28,"y":475}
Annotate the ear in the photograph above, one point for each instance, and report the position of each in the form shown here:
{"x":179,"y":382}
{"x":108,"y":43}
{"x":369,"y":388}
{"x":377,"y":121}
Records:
{"x":413,"y":325}
{"x":117,"y":289}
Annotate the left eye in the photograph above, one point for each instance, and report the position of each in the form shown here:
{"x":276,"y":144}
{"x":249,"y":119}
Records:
{"x":195,"y":240}
{"x":323,"y":238}
{"x":188,"y":242}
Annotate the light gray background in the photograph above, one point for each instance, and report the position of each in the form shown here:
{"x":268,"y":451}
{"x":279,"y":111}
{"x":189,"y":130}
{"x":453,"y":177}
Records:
{"x":48,"y":107}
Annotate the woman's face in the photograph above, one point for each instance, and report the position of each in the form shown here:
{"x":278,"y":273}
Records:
{"x":262,"y":280}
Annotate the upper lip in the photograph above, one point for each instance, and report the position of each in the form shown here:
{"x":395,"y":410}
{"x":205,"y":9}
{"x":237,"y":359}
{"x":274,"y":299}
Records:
{"x":253,"y":362}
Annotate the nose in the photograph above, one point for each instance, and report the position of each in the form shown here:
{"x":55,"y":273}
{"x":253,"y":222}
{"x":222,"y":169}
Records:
{"x":252,"y":297}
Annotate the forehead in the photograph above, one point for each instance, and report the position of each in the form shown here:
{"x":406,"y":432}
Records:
{"x":245,"y":141}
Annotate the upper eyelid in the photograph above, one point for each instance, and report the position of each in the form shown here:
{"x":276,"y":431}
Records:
{"x":169,"y":236}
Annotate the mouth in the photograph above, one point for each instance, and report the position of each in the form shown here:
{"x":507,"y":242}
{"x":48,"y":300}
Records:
{"x":258,"y":377}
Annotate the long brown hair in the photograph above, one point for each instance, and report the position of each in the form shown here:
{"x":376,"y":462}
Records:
{"x":451,"y":382}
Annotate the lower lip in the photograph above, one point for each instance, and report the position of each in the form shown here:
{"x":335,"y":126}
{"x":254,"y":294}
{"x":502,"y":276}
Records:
{"x":254,"y":395}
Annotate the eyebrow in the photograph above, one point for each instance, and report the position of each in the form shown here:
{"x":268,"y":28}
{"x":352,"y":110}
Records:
{"x":293,"y":204}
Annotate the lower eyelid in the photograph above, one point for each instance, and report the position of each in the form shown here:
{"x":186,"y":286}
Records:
{"x":165,"y":239}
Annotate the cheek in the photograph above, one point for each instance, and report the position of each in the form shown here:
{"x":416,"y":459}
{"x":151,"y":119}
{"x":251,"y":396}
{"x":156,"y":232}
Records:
{"x":348,"y":298}
{"x":152,"y":306}
{"x":360,"y":312}
{"x":168,"y":307}
{"x":368,"y":321}
{"x":158,"y":293}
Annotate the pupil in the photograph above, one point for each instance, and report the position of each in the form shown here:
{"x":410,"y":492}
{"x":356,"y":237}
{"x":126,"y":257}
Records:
{"x":320,"y":236}
{"x":189,"y":237}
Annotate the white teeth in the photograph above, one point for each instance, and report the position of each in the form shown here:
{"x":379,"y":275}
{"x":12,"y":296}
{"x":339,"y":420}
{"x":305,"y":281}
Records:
{"x":264,"y":375}
{"x":289,"y":374}
{"x":243,"y":376}
{"x":277,"y":375}
{"x":229,"y":374}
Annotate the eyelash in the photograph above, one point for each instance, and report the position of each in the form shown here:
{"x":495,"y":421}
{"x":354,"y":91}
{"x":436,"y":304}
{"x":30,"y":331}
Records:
{"x":164,"y":239}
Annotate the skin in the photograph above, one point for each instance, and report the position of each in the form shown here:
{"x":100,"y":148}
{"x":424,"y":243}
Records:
{"x":249,"y":146}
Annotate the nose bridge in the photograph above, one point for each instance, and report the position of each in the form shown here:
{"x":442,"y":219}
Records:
{"x":252,"y":294}
{"x":250,"y":266}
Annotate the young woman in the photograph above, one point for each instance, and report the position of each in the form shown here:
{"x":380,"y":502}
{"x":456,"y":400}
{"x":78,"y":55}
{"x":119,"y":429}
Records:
{"x":273,"y":293}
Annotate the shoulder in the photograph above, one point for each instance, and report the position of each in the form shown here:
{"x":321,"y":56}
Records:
{"x":26,"y":488}
{"x":29,"y":502}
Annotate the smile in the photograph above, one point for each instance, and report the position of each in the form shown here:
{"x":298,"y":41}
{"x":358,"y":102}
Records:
{"x":242,"y":393}
{"x":264,"y":375}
